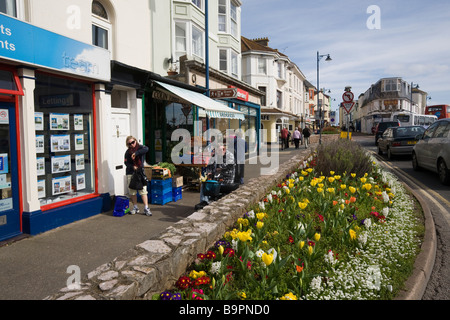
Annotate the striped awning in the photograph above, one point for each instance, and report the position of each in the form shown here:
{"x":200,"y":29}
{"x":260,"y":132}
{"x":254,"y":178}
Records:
{"x":212,"y":108}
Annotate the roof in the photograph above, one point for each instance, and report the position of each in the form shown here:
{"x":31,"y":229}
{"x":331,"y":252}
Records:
{"x":255,"y":45}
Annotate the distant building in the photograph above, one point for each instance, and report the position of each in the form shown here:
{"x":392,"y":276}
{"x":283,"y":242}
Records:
{"x":384,"y":98}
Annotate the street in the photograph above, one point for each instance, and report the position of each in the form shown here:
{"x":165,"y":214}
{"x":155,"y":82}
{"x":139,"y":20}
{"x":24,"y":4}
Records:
{"x":437,"y":196}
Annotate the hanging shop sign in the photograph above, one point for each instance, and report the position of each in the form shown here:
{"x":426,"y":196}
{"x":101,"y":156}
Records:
{"x":20,"y":41}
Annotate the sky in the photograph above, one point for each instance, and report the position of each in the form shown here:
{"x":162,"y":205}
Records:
{"x":367,"y":41}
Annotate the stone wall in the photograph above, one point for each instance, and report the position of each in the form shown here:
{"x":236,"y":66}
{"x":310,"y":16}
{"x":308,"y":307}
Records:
{"x":155,"y":265}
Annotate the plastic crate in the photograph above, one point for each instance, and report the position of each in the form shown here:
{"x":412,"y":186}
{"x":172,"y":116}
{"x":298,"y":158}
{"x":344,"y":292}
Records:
{"x":162,"y":183}
{"x":161,"y":199}
{"x":161,"y":189}
{"x":177,"y":193}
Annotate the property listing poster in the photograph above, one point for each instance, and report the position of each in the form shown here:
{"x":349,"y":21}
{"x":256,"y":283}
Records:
{"x":59,"y":121}
{"x":61,"y":185}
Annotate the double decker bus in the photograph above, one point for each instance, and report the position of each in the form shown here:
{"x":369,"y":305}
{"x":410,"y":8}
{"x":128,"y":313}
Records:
{"x":414,"y":119}
{"x":441,"y":111}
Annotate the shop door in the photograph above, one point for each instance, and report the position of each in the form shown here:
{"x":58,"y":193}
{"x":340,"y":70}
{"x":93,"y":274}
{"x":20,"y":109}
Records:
{"x":121,"y":130}
{"x":10,"y":220}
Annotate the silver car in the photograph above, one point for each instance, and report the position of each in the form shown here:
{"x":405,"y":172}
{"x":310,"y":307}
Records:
{"x":432,"y":151}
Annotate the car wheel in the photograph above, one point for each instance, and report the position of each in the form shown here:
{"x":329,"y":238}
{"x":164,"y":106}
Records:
{"x":389,"y":154}
{"x":444,"y":173}
{"x":379,"y":151}
{"x":415,"y":163}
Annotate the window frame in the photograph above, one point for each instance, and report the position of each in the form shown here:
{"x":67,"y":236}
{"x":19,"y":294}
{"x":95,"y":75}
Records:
{"x":104,"y":24}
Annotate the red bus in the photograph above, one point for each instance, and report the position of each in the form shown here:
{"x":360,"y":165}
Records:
{"x":441,"y":111}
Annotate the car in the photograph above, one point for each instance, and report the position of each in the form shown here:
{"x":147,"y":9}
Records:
{"x":432,"y":151}
{"x":382,"y":126}
{"x":399,"y":140}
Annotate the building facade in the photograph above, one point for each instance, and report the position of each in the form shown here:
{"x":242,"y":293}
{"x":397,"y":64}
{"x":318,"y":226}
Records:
{"x":386,"y":97}
{"x":77,"y":95}
{"x":281,"y":81}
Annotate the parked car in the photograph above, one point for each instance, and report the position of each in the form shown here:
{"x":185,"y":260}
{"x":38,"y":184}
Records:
{"x":399,"y":140}
{"x":432,"y":151}
{"x":382,"y":126}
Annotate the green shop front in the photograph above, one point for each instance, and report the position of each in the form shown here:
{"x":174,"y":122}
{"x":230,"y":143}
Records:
{"x":172,"y":105}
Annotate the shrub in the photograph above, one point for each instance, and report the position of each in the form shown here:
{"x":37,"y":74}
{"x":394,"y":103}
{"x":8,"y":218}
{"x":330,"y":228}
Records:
{"x":343,"y":156}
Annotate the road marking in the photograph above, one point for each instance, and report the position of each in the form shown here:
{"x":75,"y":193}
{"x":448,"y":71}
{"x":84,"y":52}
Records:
{"x":425,"y":191}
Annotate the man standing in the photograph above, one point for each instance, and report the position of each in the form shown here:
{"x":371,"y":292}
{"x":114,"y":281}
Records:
{"x":306,"y":135}
{"x":284,"y":138}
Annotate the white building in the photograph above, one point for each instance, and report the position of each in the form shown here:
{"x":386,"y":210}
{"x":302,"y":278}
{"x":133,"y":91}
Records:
{"x":282,"y":81}
{"x":78,"y":71}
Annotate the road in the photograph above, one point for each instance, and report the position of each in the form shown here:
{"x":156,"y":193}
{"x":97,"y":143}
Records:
{"x":438,"y":199}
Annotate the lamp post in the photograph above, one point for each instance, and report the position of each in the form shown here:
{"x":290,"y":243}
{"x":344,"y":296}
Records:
{"x":413,"y":86}
{"x":318,"y":91}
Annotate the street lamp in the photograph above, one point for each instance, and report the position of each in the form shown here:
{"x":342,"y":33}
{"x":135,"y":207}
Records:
{"x":413,"y":86}
{"x":318,"y":91}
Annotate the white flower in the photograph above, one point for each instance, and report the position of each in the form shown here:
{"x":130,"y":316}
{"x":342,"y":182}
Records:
{"x":262,"y":206}
{"x":251,"y":214}
{"x":259,"y":253}
{"x":385,"y":211}
{"x":315,"y":283}
{"x":385,"y":196}
{"x":215,"y":267}
{"x":274,"y":252}
{"x":367,"y":223}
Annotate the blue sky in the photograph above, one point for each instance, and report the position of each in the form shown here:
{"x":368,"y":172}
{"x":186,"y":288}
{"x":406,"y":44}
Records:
{"x":413,"y":41}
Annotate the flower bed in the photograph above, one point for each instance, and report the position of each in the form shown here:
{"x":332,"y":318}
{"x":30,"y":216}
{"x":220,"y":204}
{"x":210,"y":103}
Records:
{"x":315,"y":236}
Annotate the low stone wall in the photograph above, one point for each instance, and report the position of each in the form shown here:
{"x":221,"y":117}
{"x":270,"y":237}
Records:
{"x":155,"y":265}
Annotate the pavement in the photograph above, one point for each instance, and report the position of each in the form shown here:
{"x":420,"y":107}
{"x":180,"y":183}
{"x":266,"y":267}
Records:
{"x":34,"y":267}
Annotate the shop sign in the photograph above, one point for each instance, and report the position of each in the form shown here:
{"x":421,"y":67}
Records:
{"x":20,"y":41}
{"x":241,"y":94}
{"x":223,"y":93}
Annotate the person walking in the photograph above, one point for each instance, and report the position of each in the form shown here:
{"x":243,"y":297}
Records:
{"x":296,"y":137}
{"x":306,"y":135}
{"x":134,"y":162}
{"x":284,"y":138}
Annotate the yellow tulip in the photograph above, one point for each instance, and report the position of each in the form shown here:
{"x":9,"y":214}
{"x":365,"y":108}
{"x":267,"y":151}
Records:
{"x":353,"y":175}
{"x":343,"y":186}
{"x":221,"y":250}
{"x":352,"y":189}
{"x":310,"y":250}
{"x":302,"y":244}
{"x":287,"y":191}
{"x":363,"y":180}
{"x":337,"y":177}
{"x":267,"y":259}
{"x":259,"y":224}
{"x":332,"y":173}
{"x":317,"y":236}
{"x":302,"y":205}
{"x":319,"y":190}
{"x":330,"y":179}
{"x":260,"y":216}
{"x":330,"y":190}
{"x":352,"y":234}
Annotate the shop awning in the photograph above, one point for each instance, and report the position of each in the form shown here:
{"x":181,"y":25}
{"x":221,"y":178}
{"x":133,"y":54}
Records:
{"x":213,"y":108}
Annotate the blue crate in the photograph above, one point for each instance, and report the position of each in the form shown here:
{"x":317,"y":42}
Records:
{"x":161,"y":199}
{"x":177,"y":197}
{"x":177,"y":191}
{"x":161,"y":183}
{"x":161,"y":189}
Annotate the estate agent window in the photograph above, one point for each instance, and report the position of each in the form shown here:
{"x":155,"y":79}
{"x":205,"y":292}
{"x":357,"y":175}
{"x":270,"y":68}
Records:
{"x":64,"y":139}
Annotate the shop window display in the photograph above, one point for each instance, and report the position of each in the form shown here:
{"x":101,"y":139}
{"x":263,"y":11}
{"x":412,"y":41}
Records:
{"x":64,"y":139}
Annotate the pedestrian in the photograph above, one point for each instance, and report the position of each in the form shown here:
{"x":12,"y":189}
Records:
{"x":134,"y":162}
{"x":296,"y":136}
{"x":306,"y":135}
{"x":240,"y":148}
{"x":284,"y":138}
{"x":288,"y":139}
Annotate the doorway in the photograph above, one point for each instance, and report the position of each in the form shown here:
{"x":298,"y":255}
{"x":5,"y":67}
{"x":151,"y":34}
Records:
{"x":10,"y":219}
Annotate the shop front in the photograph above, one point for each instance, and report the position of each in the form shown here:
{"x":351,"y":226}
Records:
{"x":49,"y":135}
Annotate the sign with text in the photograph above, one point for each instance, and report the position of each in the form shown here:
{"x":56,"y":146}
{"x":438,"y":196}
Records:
{"x":23,"y":42}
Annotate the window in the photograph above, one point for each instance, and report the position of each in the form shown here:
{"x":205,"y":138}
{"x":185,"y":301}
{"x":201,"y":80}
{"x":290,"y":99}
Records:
{"x":262,"y":66}
{"x":279,"y":99}
{"x":197,"y":41}
{"x":64,"y":118}
{"x":198,"y":3}
{"x":222,"y":15}
{"x":100,"y":26}
{"x":223,"y":61}
{"x":233,"y":14}
{"x":391,"y":85}
{"x":264,"y":97}
{"x":180,"y":40}
{"x":234,"y":64}
{"x":8,"y":7}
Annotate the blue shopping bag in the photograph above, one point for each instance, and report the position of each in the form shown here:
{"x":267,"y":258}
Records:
{"x":121,"y":207}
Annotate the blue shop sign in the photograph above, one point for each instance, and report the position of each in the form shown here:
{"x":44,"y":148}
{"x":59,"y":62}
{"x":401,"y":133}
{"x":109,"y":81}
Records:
{"x":24,"y":42}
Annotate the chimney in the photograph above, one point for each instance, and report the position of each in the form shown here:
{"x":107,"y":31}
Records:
{"x":262,"y":41}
